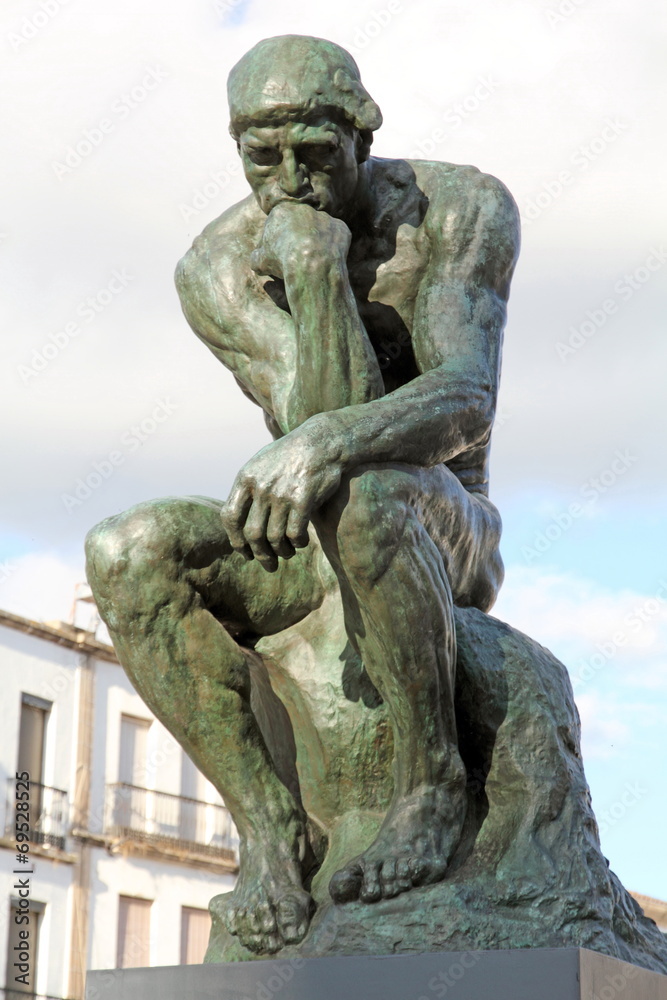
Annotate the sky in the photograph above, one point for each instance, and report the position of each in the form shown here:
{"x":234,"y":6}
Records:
{"x":116,"y":155}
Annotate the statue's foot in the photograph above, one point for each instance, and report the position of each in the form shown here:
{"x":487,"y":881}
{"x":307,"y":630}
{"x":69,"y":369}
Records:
{"x":269,"y":908}
{"x":413,"y":848}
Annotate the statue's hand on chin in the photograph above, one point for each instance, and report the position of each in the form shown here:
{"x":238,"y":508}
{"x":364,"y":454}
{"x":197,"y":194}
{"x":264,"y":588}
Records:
{"x":298,"y":238}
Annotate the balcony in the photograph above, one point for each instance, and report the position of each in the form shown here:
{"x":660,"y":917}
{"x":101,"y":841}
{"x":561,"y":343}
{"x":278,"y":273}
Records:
{"x":173,"y":822}
{"x":48,"y":814}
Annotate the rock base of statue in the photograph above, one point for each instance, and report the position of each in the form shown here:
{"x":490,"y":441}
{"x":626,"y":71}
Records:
{"x":534,"y":974}
{"x":528,"y":873}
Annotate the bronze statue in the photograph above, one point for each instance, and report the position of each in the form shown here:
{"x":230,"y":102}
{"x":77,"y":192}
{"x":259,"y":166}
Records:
{"x":360,"y":302}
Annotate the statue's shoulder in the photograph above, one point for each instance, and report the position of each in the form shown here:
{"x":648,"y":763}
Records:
{"x":463,"y":192}
{"x":212,"y":264}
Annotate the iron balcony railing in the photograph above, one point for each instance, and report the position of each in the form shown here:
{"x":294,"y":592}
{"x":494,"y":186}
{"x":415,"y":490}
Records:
{"x":188,"y":825}
{"x":48,"y":814}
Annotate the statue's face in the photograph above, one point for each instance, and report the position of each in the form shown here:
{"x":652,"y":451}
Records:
{"x":314,"y":163}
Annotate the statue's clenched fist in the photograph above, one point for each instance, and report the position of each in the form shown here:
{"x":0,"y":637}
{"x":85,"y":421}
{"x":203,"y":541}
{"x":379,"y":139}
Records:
{"x":295,"y":236}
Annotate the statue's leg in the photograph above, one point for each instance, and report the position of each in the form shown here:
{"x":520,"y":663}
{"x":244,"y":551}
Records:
{"x":405,"y":543}
{"x":165,"y":578}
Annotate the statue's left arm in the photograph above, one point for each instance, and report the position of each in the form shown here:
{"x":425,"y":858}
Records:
{"x":459,"y":318}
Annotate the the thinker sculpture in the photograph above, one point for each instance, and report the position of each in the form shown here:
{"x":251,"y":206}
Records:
{"x":299,"y":636}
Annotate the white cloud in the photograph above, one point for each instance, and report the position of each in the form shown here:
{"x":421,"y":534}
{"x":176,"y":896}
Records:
{"x":566,"y":611}
{"x":603,"y":732}
{"x":553,"y":87}
{"x":40,"y":586}
{"x":614,"y":644}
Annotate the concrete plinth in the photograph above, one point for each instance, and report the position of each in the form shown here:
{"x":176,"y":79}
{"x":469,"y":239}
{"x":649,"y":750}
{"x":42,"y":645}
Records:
{"x":530,"y":974}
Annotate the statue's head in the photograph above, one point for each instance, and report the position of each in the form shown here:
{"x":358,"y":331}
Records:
{"x":302,"y":120}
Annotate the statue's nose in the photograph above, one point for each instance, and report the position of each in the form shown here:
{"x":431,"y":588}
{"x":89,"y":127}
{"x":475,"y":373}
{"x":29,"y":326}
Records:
{"x":292,"y":176}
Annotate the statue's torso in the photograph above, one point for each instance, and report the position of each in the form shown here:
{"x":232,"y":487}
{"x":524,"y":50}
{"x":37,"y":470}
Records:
{"x":387,"y":265}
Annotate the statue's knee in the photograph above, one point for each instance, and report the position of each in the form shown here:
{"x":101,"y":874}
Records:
{"x":127,"y":551}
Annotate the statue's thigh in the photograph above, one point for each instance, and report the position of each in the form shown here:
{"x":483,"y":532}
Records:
{"x":368,"y":516}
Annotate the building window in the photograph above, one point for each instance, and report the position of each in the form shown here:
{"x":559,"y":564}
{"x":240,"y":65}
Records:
{"x":18,"y":979}
{"x":130,"y":804}
{"x":133,"y":748}
{"x":192,"y":821}
{"x":134,"y":931}
{"x":32,"y":731}
{"x":32,"y":738}
{"x":195,"y":931}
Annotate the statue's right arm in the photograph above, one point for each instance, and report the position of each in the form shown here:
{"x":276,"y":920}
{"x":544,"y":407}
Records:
{"x":256,"y":344}
{"x":313,"y":358}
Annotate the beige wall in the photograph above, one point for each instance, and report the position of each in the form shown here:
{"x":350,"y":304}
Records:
{"x":656,"y":909}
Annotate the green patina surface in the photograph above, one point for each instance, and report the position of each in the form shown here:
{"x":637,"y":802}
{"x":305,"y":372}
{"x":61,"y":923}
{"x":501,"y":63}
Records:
{"x":403,"y":771}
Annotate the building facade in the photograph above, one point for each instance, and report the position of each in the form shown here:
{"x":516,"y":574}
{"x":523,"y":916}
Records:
{"x":656,"y":909}
{"x":112,"y":842}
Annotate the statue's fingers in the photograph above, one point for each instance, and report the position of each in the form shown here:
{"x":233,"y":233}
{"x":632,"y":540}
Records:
{"x":297,"y":527}
{"x":276,"y":530}
{"x":233,"y":516}
{"x":255,"y":534}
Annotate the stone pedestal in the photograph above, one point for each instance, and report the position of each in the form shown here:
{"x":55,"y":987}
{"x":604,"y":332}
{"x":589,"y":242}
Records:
{"x":527,"y":974}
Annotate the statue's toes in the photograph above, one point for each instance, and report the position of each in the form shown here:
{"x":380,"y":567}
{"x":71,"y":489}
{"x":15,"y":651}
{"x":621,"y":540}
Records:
{"x":403,"y":875}
{"x":244,"y":923}
{"x":389,"y":879}
{"x":253,"y":942}
{"x":293,"y":914}
{"x":265,"y":919}
{"x":371,"y":887}
{"x":370,"y":880}
{"x":234,"y":918}
{"x":431,"y":871}
{"x":345,"y":885}
{"x":420,"y":870}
